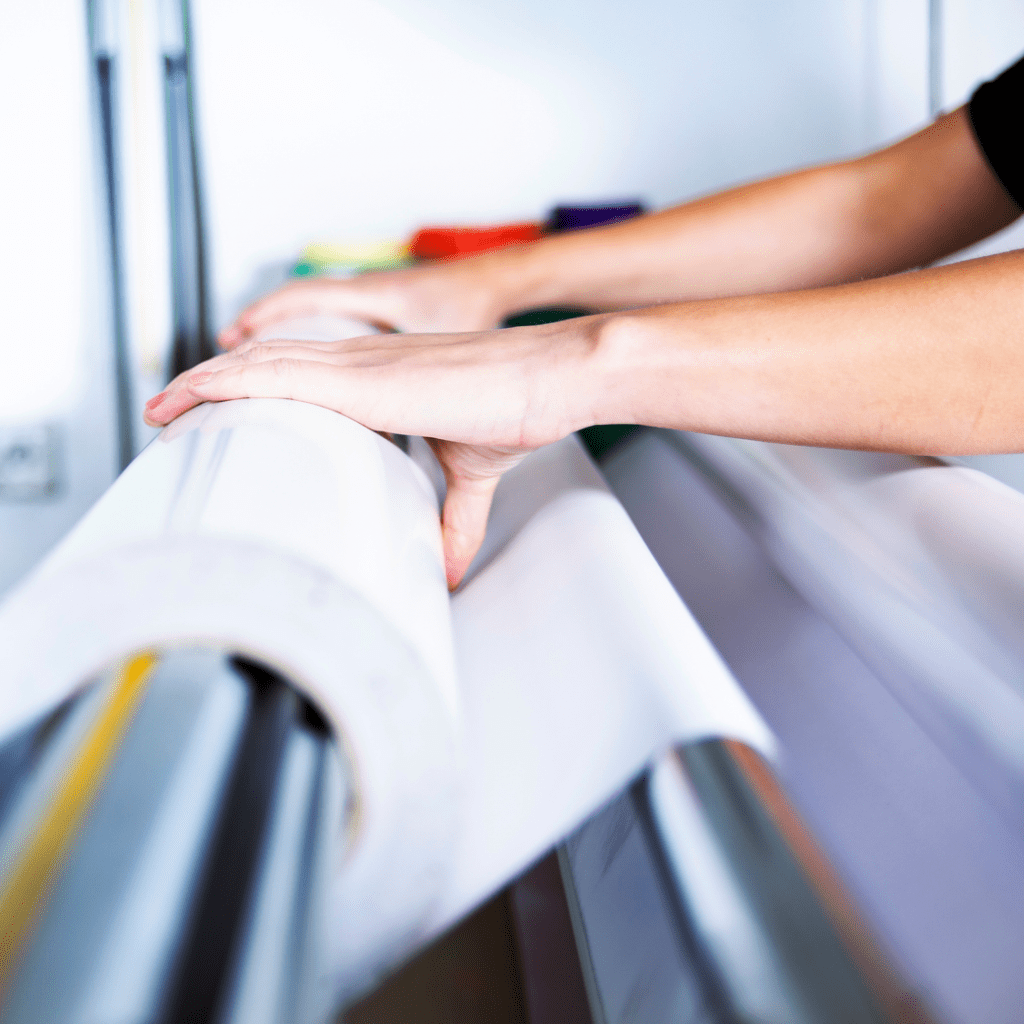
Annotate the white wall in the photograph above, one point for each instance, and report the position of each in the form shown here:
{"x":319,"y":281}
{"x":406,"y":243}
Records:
{"x":980,"y":38}
{"x":365,"y":119}
{"x":55,"y":329}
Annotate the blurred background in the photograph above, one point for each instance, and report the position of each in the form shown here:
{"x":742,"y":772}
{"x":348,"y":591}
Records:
{"x":166,"y":161}
{"x":356,"y":122}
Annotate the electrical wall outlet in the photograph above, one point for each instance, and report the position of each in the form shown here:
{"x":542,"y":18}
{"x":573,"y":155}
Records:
{"x":31,"y":462}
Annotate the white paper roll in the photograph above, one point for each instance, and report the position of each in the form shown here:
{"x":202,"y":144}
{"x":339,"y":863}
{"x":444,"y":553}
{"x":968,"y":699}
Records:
{"x":292,"y":533}
{"x":578,"y":664}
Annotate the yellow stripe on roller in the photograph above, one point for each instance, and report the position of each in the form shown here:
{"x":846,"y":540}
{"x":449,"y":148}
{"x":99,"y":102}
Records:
{"x":36,"y":866}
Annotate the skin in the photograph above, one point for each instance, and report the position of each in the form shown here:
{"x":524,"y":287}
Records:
{"x":778,"y":311}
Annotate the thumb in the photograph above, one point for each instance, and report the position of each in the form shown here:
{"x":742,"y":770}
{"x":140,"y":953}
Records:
{"x":464,"y":523}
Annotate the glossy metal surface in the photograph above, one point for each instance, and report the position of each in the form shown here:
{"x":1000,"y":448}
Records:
{"x":919,"y":565}
{"x":904,"y":808}
{"x":698,"y":895}
{"x":187,"y":883}
{"x":779,"y":942}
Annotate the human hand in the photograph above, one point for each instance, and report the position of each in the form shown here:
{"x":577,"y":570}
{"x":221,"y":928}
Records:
{"x":483,"y":400}
{"x":447,"y":297}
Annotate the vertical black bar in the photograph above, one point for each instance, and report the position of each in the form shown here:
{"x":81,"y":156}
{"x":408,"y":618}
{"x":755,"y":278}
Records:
{"x":206,"y":958}
{"x":106,"y":84}
{"x":192,"y":338}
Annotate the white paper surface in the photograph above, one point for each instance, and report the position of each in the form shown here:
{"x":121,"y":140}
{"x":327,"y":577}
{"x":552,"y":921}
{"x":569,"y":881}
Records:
{"x":480,"y":731}
{"x":578,"y":663}
{"x":287,"y":532}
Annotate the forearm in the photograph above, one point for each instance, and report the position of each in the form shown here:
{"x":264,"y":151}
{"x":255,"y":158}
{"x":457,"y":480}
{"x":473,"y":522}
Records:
{"x":902,"y":207}
{"x":929,"y":362}
{"x":926,"y":362}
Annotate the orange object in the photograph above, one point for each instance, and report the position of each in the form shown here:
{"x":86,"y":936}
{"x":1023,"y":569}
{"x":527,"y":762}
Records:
{"x":451,"y":243}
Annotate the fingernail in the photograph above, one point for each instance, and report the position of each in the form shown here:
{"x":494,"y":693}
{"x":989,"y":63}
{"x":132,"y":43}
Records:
{"x":198,"y":379}
{"x":156,"y":400}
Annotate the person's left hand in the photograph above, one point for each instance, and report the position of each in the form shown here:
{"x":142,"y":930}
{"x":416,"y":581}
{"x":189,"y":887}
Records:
{"x":483,"y":400}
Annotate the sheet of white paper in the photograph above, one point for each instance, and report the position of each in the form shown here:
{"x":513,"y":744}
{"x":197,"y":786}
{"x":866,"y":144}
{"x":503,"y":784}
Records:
{"x":291,"y":532}
{"x":578,"y":663}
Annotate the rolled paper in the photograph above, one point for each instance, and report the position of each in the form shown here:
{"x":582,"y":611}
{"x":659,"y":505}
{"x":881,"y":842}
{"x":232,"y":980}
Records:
{"x":478,"y":730}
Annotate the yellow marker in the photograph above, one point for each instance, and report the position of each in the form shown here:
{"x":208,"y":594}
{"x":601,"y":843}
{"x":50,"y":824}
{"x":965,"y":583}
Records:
{"x":325,"y":254}
{"x":36,"y":866}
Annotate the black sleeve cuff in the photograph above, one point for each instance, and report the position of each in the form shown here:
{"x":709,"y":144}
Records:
{"x":995,"y":110}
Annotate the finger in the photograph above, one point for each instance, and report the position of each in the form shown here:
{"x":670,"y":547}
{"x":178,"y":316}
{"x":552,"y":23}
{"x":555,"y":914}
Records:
{"x":315,"y":372}
{"x":281,"y":348}
{"x":464,"y":523}
{"x":272,"y":381}
{"x":304,"y":380}
{"x":306,"y":298}
{"x":169,"y":405}
{"x":175,"y":398}
{"x":300,"y":298}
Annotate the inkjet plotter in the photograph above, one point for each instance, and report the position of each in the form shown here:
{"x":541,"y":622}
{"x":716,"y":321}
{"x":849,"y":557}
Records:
{"x":254,"y":757}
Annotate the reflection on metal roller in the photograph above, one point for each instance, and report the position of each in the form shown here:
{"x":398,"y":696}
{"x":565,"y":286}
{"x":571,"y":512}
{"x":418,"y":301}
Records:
{"x":932,"y":581}
{"x":161,"y":894}
{"x":743,"y":919}
{"x":254,"y":756}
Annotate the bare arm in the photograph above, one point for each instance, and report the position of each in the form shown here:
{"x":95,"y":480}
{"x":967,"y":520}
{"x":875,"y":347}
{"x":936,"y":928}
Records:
{"x":924,"y":362}
{"x":901,"y":207}
{"x":930,"y":361}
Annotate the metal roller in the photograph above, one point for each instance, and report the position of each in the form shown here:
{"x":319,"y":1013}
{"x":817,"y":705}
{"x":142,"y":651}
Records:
{"x":166,"y":849}
{"x":699,"y":895}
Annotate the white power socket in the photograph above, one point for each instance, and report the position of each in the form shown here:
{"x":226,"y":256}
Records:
{"x":31,"y":461}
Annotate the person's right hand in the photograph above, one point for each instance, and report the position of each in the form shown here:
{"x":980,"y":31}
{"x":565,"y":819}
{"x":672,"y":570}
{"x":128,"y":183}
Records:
{"x":483,"y":399}
{"x":441,"y":298}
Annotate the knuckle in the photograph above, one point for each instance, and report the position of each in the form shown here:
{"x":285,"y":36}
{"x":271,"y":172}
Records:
{"x":283,"y":367}
{"x":254,"y":352}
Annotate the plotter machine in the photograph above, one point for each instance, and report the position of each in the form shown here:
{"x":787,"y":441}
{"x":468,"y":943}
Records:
{"x":254,"y":760}
{"x":736,"y":729}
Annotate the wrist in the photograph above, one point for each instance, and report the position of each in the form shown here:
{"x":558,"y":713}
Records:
{"x":509,"y":280}
{"x":646,"y":360}
{"x":621,"y":343}
{"x":605,"y":382}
